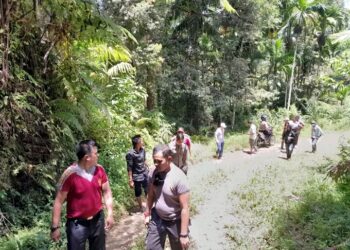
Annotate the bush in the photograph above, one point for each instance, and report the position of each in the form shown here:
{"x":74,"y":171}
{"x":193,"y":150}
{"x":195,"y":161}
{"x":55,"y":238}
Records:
{"x":341,"y":170}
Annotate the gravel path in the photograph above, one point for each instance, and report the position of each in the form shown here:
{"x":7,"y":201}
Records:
{"x":212,"y":181}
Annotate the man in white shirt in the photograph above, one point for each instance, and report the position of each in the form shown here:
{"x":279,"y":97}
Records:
{"x":219,"y":138}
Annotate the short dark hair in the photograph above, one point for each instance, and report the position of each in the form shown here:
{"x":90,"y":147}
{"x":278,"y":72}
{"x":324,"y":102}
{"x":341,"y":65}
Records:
{"x":85,"y":147}
{"x":135,"y":140}
{"x":162,"y":148}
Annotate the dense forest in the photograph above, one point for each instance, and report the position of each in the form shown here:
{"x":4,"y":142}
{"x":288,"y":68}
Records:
{"x":107,"y":69}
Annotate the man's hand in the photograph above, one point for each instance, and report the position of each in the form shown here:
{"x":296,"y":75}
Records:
{"x":131,"y":183}
{"x":56,"y":235}
{"x":147,"y":219}
{"x":185,"y":242}
{"x":109,"y":222}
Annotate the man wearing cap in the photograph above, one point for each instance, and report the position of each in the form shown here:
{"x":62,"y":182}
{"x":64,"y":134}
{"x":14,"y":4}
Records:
{"x":316,"y":133}
{"x":82,"y":186}
{"x":179,"y":152}
{"x":219,"y":138}
{"x":187,"y":138}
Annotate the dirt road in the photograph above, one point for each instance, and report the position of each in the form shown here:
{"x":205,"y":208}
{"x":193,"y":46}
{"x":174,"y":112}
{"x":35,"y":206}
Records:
{"x":211,"y":183}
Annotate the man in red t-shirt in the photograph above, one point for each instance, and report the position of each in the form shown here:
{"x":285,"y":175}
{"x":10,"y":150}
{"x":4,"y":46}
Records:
{"x":82,"y":185}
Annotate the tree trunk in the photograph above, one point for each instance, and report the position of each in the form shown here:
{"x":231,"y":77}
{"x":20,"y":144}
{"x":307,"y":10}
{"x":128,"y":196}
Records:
{"x":292,"y":77}
{"x":5,"y":42}
{"x":286,"y":93}
{"x":233,"y":115}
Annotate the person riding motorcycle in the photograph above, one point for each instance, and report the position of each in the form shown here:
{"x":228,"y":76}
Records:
{"x":265,"y":128}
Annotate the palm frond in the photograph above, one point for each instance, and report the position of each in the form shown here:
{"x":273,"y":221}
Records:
{"x":106,"y":53}
{"x":227,"y":6}
{"x":121,"y":68}
{"x":70,"y":114}
{"x":118,"y":29}
{"x":71,"y":120}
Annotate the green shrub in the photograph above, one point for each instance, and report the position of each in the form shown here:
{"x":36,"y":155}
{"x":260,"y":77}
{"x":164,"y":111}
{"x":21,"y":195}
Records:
{"x":29,"y":239}
{"x":341,"y":170}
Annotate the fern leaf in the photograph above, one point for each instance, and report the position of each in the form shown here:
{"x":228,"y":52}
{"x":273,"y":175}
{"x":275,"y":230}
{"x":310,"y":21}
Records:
{"x":123,"y":67}
{"x":227,"y":6}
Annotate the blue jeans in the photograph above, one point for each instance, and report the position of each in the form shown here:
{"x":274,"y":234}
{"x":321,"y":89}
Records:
{"x":220,"y":149}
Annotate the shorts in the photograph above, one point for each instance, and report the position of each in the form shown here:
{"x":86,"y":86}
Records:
{"x":138,"y":185}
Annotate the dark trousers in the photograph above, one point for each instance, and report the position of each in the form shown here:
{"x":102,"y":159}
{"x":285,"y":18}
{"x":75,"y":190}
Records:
{"x":139,"y":185}
{"x":80,"y":230}
{"x":314,"y":143}
{"x":158,"y":229}
{"x":220,"y":149}
{"x":289,"y":146}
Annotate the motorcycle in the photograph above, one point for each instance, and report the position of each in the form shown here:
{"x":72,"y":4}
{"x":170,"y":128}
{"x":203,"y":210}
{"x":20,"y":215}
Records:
{"x":264,"y":140}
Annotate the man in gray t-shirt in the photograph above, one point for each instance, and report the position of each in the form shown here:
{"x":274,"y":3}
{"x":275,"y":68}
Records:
{"x":167,"y":211}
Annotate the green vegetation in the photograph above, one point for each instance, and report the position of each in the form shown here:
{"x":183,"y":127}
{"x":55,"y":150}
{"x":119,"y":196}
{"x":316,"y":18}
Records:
{"x":73,"y":69}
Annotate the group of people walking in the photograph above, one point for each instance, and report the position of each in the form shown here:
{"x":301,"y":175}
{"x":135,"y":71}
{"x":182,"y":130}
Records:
{"x":290,"y":135}
{"x":166,"y":213}
{"x":291,"y":132}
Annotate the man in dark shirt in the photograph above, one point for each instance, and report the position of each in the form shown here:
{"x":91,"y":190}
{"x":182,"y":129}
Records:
{"x":137,"y":168}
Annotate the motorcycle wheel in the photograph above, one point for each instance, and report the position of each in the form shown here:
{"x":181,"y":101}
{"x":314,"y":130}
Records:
{"x":259,"y":142}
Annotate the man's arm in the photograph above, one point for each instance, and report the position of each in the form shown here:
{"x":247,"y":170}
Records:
{"x":184,"y":157}
{"x":108,"y":198}
{"x":150,"y":201}
{"x":320,"y":132}
{"x":129,"y":164}
{"x":131,"y":182}
{"x":216,"y":136}
{"x":189,"y":144}
{"x":56,"y":215}
{"x":185,"y":217}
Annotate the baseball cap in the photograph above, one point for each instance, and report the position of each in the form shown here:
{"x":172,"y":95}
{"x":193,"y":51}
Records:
{"x":180,"y":130}
{"x":223,"y":125}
